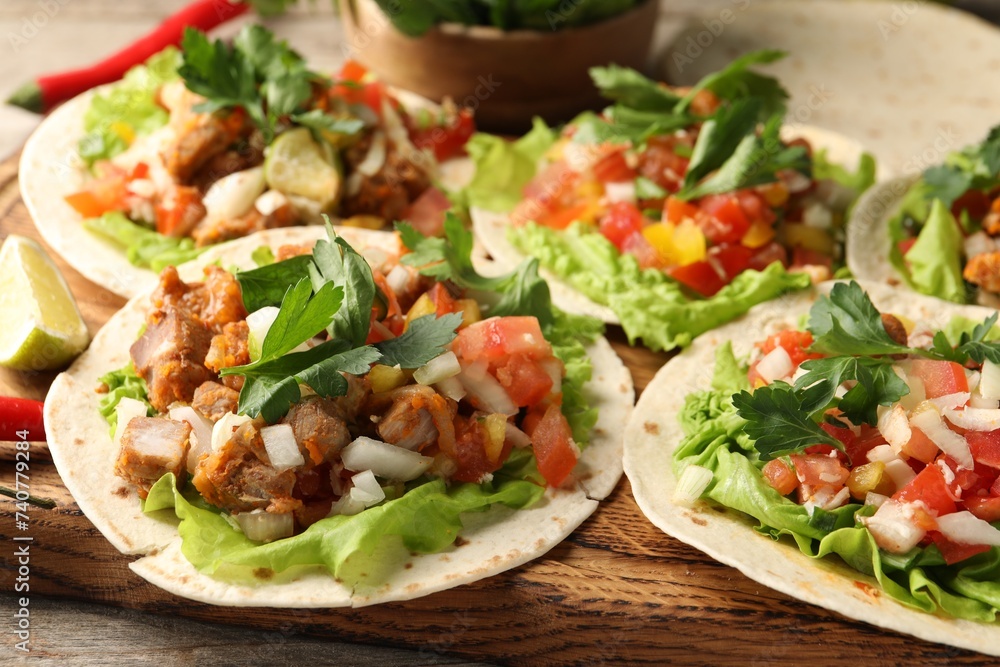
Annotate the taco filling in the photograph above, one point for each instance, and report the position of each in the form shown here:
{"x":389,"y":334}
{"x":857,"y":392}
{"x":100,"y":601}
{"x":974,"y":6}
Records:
{"x":944,"y":239}
{"x":864,"y":435}
{"x":288,"y":400}
{"x":677,"y":208}
{"x":184,"y":157}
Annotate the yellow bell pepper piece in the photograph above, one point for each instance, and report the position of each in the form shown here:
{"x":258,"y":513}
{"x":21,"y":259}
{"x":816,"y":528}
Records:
{"x":812,"y":238}
{"x":760,"y":234}
{"x":676,"y":244}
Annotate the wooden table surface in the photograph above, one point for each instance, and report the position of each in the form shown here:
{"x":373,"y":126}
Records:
{"x":617,"y":590}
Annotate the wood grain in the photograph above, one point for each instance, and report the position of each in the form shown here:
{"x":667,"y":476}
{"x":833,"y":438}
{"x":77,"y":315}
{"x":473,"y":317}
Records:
{"x":618,"y":590}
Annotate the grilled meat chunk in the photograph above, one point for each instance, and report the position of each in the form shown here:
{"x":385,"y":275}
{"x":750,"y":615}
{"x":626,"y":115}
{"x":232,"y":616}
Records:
{"x":984,"y":270}
{"x":230,"y":348}
{"x":320,"y":428}
{"x":215,"y":302}
{"x":214,"y":401}
{"x":211,"y":231}
{"x":414,"y":417}
{"x":170,"y":356}
{"x":238,"y":476}
{"x":246,"y":155}
{"x":152,"y":447}
{"x":389,"y":193}
{"x":198,"y":137}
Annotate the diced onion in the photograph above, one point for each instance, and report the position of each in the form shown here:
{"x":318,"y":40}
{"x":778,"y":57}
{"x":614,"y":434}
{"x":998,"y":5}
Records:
{"x":775,"y":365}
{"x":234,"y":195}
{"x":692,"y":483}
{"x":261,"y":526}
{"x":956,"y":400}
{"x":347,"y":505}
{"x":271,"y":201}
{"x":974,"y":419}
{"x":366,"y":489}
{"x":818,"y":216}
{"x":917,"y":395}
{"x":893,"y":528}
{"x":895,"y":427}
{"x":951,"y":443}
{"x":127,"y":410}
{"x":439,"y":368}
{"x":876,"y":499}
{"x":223,"y":429}
{"x":972,"y":379}
{"x":617,"y":192}
{"x":398,"y":279}
{"x":883,"y":453}
{"x":517,"y":437}
{"x":484,"y":391}
{"x":452,"y":388}
{"x":795,"y":181}
{"x":555,"y":370}
{"x":967,"y":528}
{"x":375,"y":157}
{"x":201,"y":433}
{"x":989,"y":383}
{"x":979,"y":243}
{"x":900,"y":472}
{"x":282,"y":449}
{"x":385,"y":460}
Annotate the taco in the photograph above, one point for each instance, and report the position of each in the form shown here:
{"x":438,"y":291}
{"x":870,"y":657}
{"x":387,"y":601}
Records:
{"x":675,"y":210}
{"x":358,"y":455}
{"x":935,"y":233}
{"x":147,"y":172}
{"x":850,"y":465}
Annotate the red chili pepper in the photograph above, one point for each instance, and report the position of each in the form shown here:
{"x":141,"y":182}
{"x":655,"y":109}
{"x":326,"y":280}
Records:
{"x":47,"y":91}
{"x":18,"y":415}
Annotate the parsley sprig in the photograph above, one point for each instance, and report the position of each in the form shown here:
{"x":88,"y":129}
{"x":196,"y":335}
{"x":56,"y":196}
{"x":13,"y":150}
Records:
{"x":973,"y":168}
{"x":784,"y":419}
{"x":332,"y":290}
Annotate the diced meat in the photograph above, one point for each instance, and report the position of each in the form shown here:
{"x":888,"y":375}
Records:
{"x":320,"y":428}
{"x":984,"y":270}
{"x":230,"y":348}
{"x":246,"y":155}
{"x":214,"y":401}
{"x":293,"y":250}
{"x":406,"y":426}
{"x":414,"y":417}
{"x":388,"y":193}
{"x":895,"y":328}
{"x":215,"y":302}
{"x":238,"y":476}
{"x":152,"y":447}
{"x":198,"y":136}
{"x":214,"y":231}
{"x":170,"y":356}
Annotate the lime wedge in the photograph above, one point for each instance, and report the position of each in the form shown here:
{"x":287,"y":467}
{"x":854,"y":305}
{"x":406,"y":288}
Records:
{"x":42,"y":328}
{"x":297,"y":165}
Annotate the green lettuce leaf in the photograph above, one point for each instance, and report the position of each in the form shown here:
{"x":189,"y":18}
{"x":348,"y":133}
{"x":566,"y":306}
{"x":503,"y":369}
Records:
{"x":122,"y":383}
{"x":128,"y":109}
{"x":503,"y":168}
{"x":143,"y":247}
{"x":933,"y":264}
{"x":650,"y":305}
{"x":426,"y":519}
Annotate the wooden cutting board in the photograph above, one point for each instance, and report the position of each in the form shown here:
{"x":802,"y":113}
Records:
{"x":617,"y":590}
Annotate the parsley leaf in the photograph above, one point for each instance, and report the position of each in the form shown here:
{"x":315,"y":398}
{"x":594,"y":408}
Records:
{"x":737,"y":81}
{"x":973,"y":168}
{"x":338,"y":263}
{"x":877,"y":384}
{"x":719,"y":137}
{"x":974,"y":346}
{"x":647,"y":189}
{"x":632,"y":89}
{"x":422,"y":341}
{"x":777,"y":422}
{"x":846,"y":322}
{"x":266,"y":285}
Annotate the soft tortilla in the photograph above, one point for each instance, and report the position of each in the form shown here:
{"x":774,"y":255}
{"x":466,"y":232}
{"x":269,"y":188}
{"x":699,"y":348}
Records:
{"x":51,"y":168}
{"x":868,"y":243}
{"x":496,"y":540}
{"x":491,"y":227}
{"x":654,"y":433}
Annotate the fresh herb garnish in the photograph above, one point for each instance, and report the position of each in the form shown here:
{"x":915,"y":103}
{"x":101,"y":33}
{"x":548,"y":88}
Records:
{"x":846,"y":322}
{"x":972,"y":346}
{"x":974,"y":168}
{"x":876,"y":384}
{"x":423,"y":340}
{"x":266,"y":285}
{"x":777,"y":422}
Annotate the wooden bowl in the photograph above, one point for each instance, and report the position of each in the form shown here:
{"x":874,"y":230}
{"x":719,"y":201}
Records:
{"x":507,"y":77}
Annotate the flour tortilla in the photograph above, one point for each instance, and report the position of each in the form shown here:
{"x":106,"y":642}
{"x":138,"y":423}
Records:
{"x":868,"y":242}
{"x":51,"y":168}
{"x":495,"y":541}
{"x":726,"y":535}
{"x":491,"y":227}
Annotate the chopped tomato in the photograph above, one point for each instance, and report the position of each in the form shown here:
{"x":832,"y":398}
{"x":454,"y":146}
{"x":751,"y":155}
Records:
{"x":546,"y":193}
{"x":352,"y":70}
{"x":731,"y":259}
{"x":858,"y":448}
{"x":446,"y":141}
{"x":179,"y":211}
{"x":818,"y":470}
{"x":940,"y":378}
{"x":613,"y":168}
{"x":442,"y":299}
{"x":525,"y":381}
{"x":497,"y":337}
{"x":985,"y":446}
{"x":470,"y":451}
{"x":677,"y":210}
{"x":986,"y":508}
{"x":426,"y":213}
{"x":105,"y":193}
{"x":780,"y":477}
{"x":552,"y":441}
{"x":700,"y":276}
{"x":755,"y":207}
{"x":660,"y":164}
{"x":638,"y":246}
{"x":726,"y":221}
{"x":905,"y":245}
{"x":920,"y":447}
{"x":564,"y":217}
{"x":795,"y":343}
{"x":953,"y":552}
{"x":930,"y":488}
{"x":767,"y":255}
{"x":620,"y":222}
